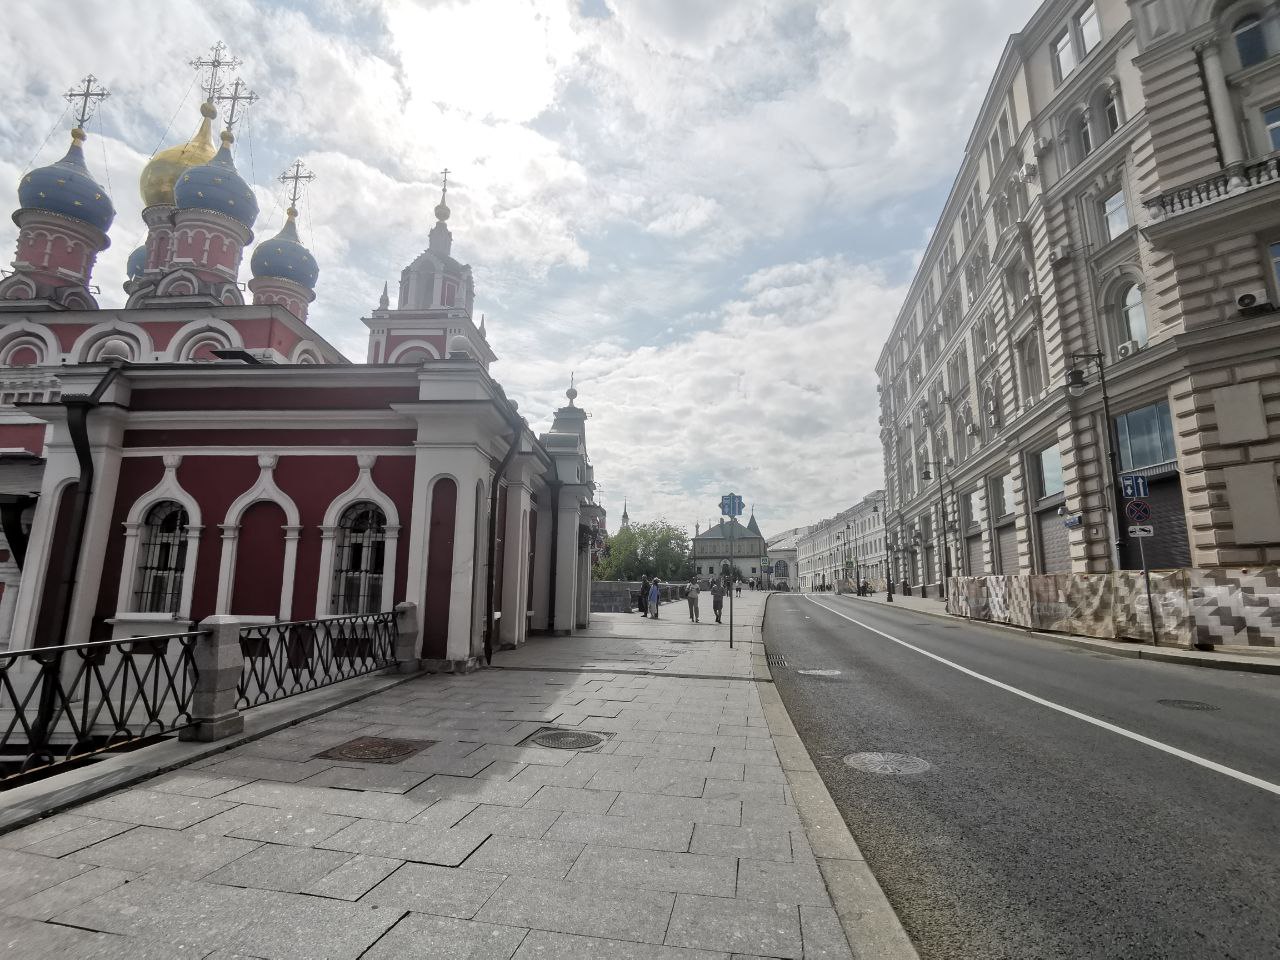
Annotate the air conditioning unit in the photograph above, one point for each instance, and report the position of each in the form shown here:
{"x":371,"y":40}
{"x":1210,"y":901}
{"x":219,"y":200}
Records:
{"x":1060,"y":253}
{"x":1127,"y":349}
{"x":1253,"y":303}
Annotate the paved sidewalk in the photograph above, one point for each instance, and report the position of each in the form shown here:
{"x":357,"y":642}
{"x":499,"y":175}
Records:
{"x":679,"y":838}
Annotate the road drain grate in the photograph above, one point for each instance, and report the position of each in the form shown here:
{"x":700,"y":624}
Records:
{"x":775,"y":659}
{"x":558,"y":738}
{"x":376,"y":749}
{"x":1187,"y":704}
{"x":893,"y":764}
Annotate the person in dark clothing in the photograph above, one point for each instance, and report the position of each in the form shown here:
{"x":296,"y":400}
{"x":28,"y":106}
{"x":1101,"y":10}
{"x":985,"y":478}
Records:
{"x":655,"y":597}
{"x":644,"y":597}
{"x":717,"y":598}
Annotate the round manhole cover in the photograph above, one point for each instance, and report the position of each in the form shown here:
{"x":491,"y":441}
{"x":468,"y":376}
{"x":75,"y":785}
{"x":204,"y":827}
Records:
{"x":888,"y":763}
{"x":373,"y":748}
{"x":820,"y":673}
{"x":1187,"y":704}
{"x":568,"y":740}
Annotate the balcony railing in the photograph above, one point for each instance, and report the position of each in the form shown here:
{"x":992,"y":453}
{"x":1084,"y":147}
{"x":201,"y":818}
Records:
{"x":285,"y":659}
{"x":1214,"y":187}
{"x":59,"y":704}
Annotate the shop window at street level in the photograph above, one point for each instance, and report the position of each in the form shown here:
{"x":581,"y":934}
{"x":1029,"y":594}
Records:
{"x":1251,"y":40}
{"x":1271,"y":118}
{"x":1145,"y":437}
{"x":1115,"y":215}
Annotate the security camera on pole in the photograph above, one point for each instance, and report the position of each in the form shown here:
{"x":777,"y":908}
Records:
{"x":731,"y":507}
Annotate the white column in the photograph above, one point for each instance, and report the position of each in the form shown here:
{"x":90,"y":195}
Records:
{"x":1224,"y":121}
{"x":566,"y":561}
{"x":542,"y":560}
{"x":515,"y":566}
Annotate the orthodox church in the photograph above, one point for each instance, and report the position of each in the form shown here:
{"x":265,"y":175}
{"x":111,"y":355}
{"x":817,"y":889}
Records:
{"x":721,"y":544}
{"x":204,"y":451}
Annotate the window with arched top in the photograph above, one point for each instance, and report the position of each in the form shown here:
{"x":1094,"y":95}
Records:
{"x":1084,"y":136}
{"x":162,"y":559}
{"x":1032,"y":378}
{"x":1133,"y":315}
{"x":1111,"y":117}
{"x":1251,"y":40}
{"x":358,"y":560}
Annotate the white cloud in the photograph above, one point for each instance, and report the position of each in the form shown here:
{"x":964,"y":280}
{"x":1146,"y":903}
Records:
{"x":666,"y":198}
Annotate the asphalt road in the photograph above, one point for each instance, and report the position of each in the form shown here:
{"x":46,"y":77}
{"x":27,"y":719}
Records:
{"x":1034,"y":833}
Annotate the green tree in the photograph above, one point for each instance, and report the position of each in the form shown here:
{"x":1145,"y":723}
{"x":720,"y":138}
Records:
{"x":656,"y":548}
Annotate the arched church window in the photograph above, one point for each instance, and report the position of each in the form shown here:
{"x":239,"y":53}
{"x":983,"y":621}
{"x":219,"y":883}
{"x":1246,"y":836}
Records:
{"x":1133,"y":315}
{"x":358,"y":559}
{"x":162,"y":559}
{"x":1251,"y":40}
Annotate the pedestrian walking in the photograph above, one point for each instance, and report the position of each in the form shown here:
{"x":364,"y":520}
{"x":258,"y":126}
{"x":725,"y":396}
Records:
{"x":655,"y":598}
{"x":737,"y":587}
{"x":644,"y":597}
{"x":691,"y":594}
{"x":717,"y":598}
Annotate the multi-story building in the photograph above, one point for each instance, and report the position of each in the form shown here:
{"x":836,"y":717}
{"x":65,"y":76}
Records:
{"x":784,"y":570}
{"x":722,"y":542}
{"x":845,"y":548}
{"x":1095,"y":301}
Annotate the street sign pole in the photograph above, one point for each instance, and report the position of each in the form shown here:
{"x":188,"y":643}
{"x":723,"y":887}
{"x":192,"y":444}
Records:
{"x":1146,"y":576}
{"x":732,"y":523}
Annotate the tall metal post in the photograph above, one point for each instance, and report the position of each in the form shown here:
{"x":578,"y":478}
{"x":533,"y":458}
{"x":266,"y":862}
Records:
{"x":733,"y":564}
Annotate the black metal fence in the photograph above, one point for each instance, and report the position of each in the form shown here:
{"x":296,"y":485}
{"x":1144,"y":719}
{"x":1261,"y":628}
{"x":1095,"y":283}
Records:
{"x":59,"y":704}
{"x":285,"y":659}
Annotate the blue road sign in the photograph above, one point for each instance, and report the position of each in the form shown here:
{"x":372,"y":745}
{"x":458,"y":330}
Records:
{"x":731,"y":505}
{"x":1134,"y":487}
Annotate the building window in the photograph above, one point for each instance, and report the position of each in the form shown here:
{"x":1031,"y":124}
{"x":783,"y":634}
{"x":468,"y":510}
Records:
{"x":1084,"y":136}
{"x":163,"y":559}
{"x":1090,"y":29}
{"x":1064,"y":55}
{"x":1000,"y":496}
{"x":1111,"y":111}
{"x":1115,"y":215}
{"x":1031,"y":379}
{"x":357,"y":565}
{"x":1145,"y":437}
{"x":1272,"y":120}
{"x":1275,"y":261}
{"x":973,"y":507}
{"x":1049,"y":461}
{"x":1251,"y":41}
{"x":1134,"y":315}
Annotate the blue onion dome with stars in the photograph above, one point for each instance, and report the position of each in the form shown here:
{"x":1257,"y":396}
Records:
{"x":137,"y":263}
{"x":284,"y":257}
{"x":67,"y":188}
{"x":217,"y":186}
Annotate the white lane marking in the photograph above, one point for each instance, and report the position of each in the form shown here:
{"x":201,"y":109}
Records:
{"x":1167,"y":748}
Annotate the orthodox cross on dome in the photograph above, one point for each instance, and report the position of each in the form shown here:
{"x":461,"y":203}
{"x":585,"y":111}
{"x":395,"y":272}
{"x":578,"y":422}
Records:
{"x":90,"y":93}
{"x":213,"y":67}
{"x":239,"y":94}
{"x":296,"y":176}
{"x":442,"y":208}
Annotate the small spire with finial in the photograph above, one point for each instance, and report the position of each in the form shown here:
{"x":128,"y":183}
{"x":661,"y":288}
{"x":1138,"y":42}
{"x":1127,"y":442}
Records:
{"x":84,"y":100}
{"x":483,"y":333}
{"x":295,"y":176}
{"x":213,"y":68}
{"x":572,"y":392}
{"x":442,"y":208}
{"x":384,"y":301}
{"x":238,"y":94}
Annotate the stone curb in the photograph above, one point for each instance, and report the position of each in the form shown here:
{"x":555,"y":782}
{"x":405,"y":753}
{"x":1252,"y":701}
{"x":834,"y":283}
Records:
{"x":1135,"y":652}
{"x":870,"y":924}
{"x":26,"y":804}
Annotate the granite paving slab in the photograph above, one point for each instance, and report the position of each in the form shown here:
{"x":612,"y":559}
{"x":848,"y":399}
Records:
{"x":77,"y":838}
{"x":541,"y":945}
{"x":443,"y":787}
{"x":442,"y":891}
{"x":669,"y":784}
{"x":421,"y":937}
{"x":561,"y":906}
{"x":678,"y":808}
{"x":171,"y":852}
{"x":347,"y":803}
{"x":656,"y":870}
{"x":153,"y":809}
{"x":381,"y":780}
{"x":753,"y":842}
{"x":742,"y":926}
{"x":824,"y":938}
{"x":23,"y":874}
{"x":274,"y":867}
{"x":444,"y":814}
{"x":32,"y":940}
{"x":260,"y":923}
{"x":782,"y":882}
{"x":354,"y":878}
{"x":520,"y":856}
{"x":53,"y":900}
{"x":403,"y":841}
{"x":572,"y":799}
{"x":509,"y":821}
{"x":303,"y":828}
{"x":267,"y":768}
{"x":645,"y":833}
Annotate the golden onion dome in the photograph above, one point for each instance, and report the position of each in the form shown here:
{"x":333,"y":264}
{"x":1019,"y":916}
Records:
{"x":162,"y":170}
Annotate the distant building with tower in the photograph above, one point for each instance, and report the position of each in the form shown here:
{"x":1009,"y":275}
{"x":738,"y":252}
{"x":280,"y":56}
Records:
{"x":714,"y":547}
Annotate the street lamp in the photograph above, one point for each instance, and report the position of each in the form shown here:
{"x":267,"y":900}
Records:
{"x":942,"y":501}
{"x":1077,"y":385}
{"x":891,"y":556}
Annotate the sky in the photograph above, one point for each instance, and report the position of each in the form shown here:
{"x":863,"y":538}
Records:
{"x":707,"y":211}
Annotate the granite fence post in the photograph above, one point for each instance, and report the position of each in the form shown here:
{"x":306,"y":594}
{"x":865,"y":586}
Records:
{"x":407,"y":638}
{"x":219,"y":662}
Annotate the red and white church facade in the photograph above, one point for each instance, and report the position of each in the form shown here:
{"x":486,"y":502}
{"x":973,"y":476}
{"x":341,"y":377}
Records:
{"x":195,"y":453}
